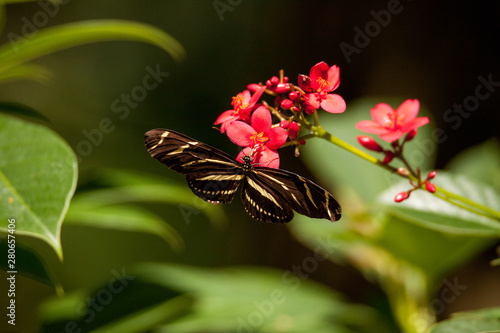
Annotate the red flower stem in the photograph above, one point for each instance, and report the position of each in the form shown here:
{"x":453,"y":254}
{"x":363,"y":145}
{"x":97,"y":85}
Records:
{"x":452,"y":198}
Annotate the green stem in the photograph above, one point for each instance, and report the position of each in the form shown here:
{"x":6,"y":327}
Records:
{"x":452,"y":198}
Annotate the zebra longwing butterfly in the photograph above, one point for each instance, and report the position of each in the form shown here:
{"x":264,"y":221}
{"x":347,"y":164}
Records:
{"x":268,"y":194}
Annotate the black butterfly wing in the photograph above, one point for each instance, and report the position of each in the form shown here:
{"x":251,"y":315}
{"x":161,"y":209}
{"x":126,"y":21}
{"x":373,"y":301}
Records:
{"x":211,"y":174}
{"x":271,"y":195}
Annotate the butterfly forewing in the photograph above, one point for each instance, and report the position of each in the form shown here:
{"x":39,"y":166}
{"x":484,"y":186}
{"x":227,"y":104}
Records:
{"x":211,"y":174}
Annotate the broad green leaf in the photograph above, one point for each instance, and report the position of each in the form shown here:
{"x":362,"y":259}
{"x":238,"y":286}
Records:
{"x":122,"y":304}
{"x":22,"y":110}
{"x":258,"y":299}
{"x":343,"y":171}
{"x":485,"y":320}
{"x":31,"y":265}
{"x":429,"y":211}
{"x":481,"y":162}
{"x":123,"y":187}
{"x":49,"y":40}
{"x":38,"y":173}
{"x":25,"y":71}
{"x":119,"y":217}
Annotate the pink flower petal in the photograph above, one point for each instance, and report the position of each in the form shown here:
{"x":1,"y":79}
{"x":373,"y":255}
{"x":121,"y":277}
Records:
{"x":333,"y":103}
{"x":407,"y":111}
{"x":415,"y":123}
{"x":267,"y":158}
{"x":333,"y":77}
{"x":392,"y":135}
{"x":245,"y":95}
{"x":261,"y":120}
{"x":380,"y":113}
{"x":313,"y":100}
{"x":371,"y":127}
{"x":277,"y":138}
{"x":225,"y":116}
{"x":239,"y":133}
{"x":256,"y":97}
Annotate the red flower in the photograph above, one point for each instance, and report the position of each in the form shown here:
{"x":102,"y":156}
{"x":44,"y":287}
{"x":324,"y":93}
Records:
{"x":323,"y":79}
{"x":391,"y":124}
{"x":243,"y":105}
{"x":260,"y":139}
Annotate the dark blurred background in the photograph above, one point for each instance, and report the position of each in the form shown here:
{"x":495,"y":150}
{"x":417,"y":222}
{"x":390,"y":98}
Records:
{"x":431,"y":50}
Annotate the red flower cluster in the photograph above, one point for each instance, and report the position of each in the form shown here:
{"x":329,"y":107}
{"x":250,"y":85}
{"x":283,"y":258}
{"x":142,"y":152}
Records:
{"x":249,"y":123}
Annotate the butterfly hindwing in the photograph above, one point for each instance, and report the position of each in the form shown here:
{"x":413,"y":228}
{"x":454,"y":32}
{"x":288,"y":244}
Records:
{"x":211,"y":174}
{"x":215,"y":188}
{"x":263,"y":200}
{"x":298,"y":193}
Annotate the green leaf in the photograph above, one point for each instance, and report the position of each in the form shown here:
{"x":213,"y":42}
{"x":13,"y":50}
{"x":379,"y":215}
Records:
{"x":25,"y":71}
{"x":123,"y":304}
{"x":38,"y":173}
{"x":258,"y":299}
{"x":126,"y":218}
{"x":49,"y":40}
{"x":481,"y":162}
{"x":485,"y":320}
{"x":29,"y":264}
{"x":125,"y":186}
{"x":429,"y":211}
{"x":22,"y":110}
{"x":343,"y":171}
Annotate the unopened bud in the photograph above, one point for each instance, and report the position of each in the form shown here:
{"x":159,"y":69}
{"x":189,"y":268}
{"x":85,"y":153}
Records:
{"x":411,"y":134}
{"x":309,"y":109}
{"x":293,"y":130}
{"x":403,"y":172}
{"x":401,"y":196}
{"x":274,"y":80}
{"x":430,"y":187}
{"x":431,"y":175}
{"x":389,"y":155}
{"x":286,"y":104}
{"x":369,"y":143}
{"x":284,"y":124}
{"x":282,"y":88}
{"x":304,"y":83}
{"x":294,"y":95}
{"x":302,"y":142}
{"x":253,"y":87}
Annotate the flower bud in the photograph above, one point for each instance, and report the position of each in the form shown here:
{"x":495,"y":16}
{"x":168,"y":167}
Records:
{"x":295,"y":108}
{"x":401,"y":196}
{"x":253,"y":87}
{"x":403,"y":172}
{"x":389,"y":155}
{"x":304,"y":83}
{"x":286,"y":104}
{"x":284,"y":124}
{"x":293,"y":130}
{"x":431,"y":174}
{"x":411,"y":134}
{"x":302,"y":142}
{"x":294,"y":95}
{"x":285,"y":79}
{"x":309,"y":109}
{"x":282,"y":88}
{"x":274,"y":80}
{"x":430,"y":187}
{"x":369,"y":143}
